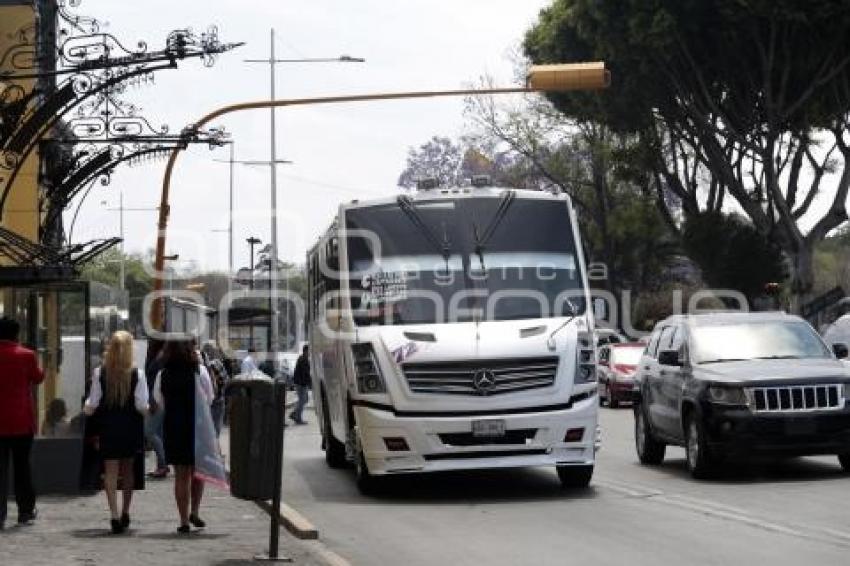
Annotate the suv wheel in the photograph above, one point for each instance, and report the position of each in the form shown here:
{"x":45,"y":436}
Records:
{"x":844,"y":459}
{"x":701,"y":462}
{"x":575,"y":477}
{"x":649,"y":450}
{"x":334,"y":449}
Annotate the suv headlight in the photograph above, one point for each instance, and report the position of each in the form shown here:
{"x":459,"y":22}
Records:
{"x":727,"y":395}
{"x":585,"y":360}
{"x":369,"y":378}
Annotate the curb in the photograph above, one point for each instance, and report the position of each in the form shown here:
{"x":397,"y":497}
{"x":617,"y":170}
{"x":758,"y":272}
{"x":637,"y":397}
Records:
{"x":293,"y":521}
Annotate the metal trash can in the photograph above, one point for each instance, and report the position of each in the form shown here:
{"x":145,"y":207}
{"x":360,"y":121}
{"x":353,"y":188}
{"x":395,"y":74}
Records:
{"x":256,"y":436}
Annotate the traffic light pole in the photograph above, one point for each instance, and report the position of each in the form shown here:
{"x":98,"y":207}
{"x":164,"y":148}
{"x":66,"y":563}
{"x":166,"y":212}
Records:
{"x":555,"y":78}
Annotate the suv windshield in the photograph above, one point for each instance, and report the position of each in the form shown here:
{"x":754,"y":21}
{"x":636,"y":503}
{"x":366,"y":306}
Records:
{"x":458,"y":260}
{"x":751,"y":341}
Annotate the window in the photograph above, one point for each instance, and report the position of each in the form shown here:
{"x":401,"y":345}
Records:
{"x":652,"y":347}
{"x":666,"y":339}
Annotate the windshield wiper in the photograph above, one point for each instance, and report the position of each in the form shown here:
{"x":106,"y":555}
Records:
{"x":550,"y":342}
{"x":722,"y":360}
{"x":409,"y":209}
{"x":481,"y":240}
{"x":785,"y":357}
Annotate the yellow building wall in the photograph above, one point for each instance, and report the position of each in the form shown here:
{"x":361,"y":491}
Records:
{"x":21,"y":213}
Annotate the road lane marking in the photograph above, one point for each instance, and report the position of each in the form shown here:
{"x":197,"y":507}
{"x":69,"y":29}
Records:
{"x":727,"y":513}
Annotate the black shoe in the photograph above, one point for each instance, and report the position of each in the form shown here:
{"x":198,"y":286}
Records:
{"x":27,"y":518}
{"x":197,"y":521}
{"x":115,"y":525}
{"x":184,"y":529}
{"x":125,"y":521}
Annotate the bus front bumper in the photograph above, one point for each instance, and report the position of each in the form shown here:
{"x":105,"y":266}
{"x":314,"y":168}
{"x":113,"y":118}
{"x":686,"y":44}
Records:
{"x":395,"y":444}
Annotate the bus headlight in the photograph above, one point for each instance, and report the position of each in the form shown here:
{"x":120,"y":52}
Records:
{"x":369,"y":378}
{"x":585,"y":360}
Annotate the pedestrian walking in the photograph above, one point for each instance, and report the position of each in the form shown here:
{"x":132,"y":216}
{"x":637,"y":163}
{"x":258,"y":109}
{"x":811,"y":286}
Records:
{"x":248,"y":364}
{"x":302,"y":381}
{"x":154,"y":420}
{"x":212,"y":357}
{"x":175,"y":391}
{"x":119,"y":399}
{"x":20,"y":373}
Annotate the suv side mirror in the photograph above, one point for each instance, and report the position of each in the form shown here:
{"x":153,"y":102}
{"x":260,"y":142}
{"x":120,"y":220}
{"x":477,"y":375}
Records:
{"x":669,"y":358}
{"x":840,"y":350}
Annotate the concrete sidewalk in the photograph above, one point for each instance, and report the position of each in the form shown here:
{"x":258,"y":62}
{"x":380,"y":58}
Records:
{"x":74,"y":531}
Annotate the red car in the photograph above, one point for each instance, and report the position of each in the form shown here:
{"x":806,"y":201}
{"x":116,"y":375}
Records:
{"x":617,"y":366}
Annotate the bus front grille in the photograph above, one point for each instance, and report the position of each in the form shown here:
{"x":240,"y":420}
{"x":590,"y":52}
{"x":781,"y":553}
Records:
{"x":481,"y":377}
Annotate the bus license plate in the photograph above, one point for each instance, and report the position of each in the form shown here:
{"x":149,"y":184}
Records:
{"x":491,"y":428}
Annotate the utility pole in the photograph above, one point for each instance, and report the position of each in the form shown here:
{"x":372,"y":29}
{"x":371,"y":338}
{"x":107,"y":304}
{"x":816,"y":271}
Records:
{"x":273,"y":161}
{"x":230,"y":222}
{"x":273,"y":338}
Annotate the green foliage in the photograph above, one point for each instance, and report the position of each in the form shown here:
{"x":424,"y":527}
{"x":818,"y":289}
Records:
{"x":732,"y":254}
{"x":715,"y":50}
{"x":106,"y":269}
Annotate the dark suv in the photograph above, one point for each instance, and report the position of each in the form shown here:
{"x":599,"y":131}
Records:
{"x":738,"y":384}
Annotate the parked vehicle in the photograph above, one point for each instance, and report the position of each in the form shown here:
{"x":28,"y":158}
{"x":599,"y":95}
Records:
{"x":607,"y":336}
{"x":618,"y":364}
{"x":736,"y":384}
{"x":449,"y":332}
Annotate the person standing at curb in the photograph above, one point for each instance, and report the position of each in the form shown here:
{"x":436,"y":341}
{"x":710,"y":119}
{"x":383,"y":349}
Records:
{"x":20,"y":372}
{"x":119,"y":396}
{"x":302,"y":382}
{"x":175,"y":391}
{"x":153,"y":423}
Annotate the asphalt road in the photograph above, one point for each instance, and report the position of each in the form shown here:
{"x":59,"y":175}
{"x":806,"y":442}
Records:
{"x":794,"y":512}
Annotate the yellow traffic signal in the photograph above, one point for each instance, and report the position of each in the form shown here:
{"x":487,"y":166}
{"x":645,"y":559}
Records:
{"x":569,"y":76}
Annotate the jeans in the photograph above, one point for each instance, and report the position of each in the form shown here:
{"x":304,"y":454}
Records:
{"x":217,"y":410}
{"x":18,"y":448}
{"x":303,"y":396}
{"x":153,"y":434}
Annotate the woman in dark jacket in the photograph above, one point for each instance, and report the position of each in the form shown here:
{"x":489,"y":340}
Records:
{"x":175,"y":393}
{"x":119,"y":397}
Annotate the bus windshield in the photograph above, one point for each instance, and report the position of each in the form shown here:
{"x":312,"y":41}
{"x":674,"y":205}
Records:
{"x":460,"y":260}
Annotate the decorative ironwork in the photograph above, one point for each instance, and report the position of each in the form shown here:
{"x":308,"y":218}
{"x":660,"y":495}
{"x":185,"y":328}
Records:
{"x":23,"y":252}
{"x":95,"y":68}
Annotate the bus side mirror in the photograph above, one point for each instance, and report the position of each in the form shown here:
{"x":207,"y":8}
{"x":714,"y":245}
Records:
{"x":840,"y":350}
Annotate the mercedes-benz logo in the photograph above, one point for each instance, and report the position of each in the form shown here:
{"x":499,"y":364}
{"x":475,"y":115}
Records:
{"x":484,"y":381}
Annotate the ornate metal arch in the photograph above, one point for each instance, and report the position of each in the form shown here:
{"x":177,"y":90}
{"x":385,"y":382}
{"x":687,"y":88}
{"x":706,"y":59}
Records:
{"x":91,"y":64}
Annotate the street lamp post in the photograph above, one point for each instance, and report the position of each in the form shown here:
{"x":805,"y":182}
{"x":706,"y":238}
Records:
{"x":252,"y":241}
{"x":273,"y":61}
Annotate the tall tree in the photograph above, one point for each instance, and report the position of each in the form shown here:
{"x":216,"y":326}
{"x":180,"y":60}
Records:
{"x":748,"y":99}
{"x":548,"y":151}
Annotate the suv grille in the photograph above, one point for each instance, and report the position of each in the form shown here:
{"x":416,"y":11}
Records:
{"x":795,"y":398}
{"x":484,"y":377}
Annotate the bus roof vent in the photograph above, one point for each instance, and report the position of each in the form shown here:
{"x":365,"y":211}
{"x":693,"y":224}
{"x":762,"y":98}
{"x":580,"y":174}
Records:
{"x":481,"y":181}
{"x":427,"y":184}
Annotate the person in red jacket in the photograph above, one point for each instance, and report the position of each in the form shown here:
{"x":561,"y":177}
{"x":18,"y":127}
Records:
{"x":19,"y":372}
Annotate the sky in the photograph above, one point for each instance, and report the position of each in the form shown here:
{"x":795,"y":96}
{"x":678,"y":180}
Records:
{"x":338,"y":153}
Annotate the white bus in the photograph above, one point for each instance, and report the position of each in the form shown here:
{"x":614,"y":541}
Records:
{"x":449,"y":329}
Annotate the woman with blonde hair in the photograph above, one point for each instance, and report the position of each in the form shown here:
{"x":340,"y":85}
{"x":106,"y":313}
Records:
{"x":119,"y":398}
